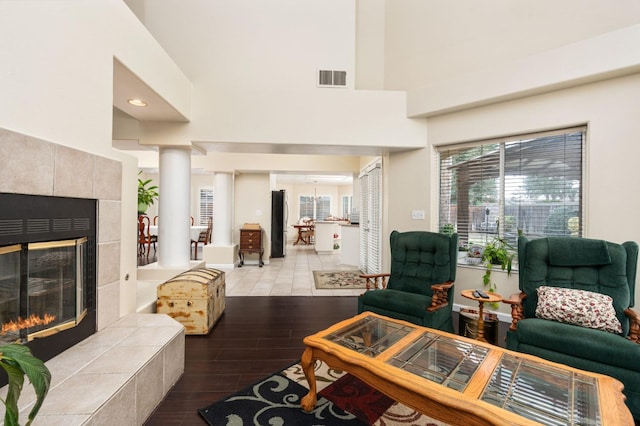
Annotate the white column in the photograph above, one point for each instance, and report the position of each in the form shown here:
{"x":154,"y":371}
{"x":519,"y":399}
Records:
{"x":222,"y":209}
{"x":174,"y":240}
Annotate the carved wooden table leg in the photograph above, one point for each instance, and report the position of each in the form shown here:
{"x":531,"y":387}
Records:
{"x":308,"y":402}
{"x":481,"y":322}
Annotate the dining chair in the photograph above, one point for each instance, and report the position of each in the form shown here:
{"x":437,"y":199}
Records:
{"x":204,"y":237}
{"x":308,"y":233}
{"x":155,"y":223}
{"x":145,"y":237}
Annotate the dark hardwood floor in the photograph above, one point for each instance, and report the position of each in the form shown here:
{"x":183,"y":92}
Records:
{"x":255,"y":336}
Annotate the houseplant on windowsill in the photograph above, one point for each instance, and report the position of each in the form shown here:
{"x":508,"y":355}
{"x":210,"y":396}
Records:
{"x":497,"y":252}
{"x":17,"y":360}
{"x":146,"y":194}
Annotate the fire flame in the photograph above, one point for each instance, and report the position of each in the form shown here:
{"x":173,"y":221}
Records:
{"x":32,"y":321}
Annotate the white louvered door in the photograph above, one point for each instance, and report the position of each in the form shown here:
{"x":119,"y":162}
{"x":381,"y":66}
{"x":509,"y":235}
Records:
{"x":371,"y":218}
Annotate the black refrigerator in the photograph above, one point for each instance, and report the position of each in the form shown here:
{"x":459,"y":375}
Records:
{"x":278,"y":223}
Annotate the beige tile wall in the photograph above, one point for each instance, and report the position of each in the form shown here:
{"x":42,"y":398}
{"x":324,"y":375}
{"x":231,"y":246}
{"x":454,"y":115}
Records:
{"x":30,"y":165}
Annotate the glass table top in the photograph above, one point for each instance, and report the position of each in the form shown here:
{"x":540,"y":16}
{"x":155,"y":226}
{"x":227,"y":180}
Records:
{"x":543,"y":393}
{"x":535,"y":390}
{"x":446,"y":361}
{"x":369,"y":336}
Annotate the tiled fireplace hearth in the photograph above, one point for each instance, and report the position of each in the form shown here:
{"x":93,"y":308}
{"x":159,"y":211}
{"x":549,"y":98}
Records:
{"x":123,"y":371}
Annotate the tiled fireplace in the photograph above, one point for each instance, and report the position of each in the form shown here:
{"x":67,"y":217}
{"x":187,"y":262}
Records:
{"x":121,"y":373}
{"x":35,"y":167}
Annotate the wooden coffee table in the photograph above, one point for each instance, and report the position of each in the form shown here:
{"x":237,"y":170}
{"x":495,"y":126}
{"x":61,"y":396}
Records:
{"x":459,"y":380}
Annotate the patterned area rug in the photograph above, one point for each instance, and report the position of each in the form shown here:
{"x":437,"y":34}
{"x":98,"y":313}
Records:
{"x":338,"y":279}
{"x":342,"y":400}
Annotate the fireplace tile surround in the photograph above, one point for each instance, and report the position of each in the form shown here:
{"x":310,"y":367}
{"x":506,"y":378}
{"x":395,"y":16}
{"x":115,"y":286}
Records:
{"x":67,"y":172}
{"x":150,"y":347}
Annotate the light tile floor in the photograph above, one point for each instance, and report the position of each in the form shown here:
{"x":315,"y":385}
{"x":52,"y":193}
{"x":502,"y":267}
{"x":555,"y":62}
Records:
{"x":291,"y":275}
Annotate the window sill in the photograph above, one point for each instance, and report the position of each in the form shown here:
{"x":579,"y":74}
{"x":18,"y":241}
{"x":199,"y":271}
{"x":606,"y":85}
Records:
{"x":472,"y":263}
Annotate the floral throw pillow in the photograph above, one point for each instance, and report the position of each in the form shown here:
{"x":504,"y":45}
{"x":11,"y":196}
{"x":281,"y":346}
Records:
{"x":579,"y":307}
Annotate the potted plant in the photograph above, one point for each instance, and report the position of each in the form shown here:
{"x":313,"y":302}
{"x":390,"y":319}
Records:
{"x":146,"y":194}
{"x":17,"y":360}
{"x":497,"y":252}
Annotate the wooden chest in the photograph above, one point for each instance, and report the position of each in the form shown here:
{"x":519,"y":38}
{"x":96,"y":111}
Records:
{"x":250,"y":242}
{"x":195,"y":298}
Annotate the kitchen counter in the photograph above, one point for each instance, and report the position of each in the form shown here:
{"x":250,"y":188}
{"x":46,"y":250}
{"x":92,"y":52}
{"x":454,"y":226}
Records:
{"x":327,"y":236}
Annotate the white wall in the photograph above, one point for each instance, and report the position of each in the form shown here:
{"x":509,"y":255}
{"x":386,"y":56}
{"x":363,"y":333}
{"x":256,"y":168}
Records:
{"x":427,"y":42}
{"x":301,"y":164}
{"x":370,"y":42}
{"x":253,"y":66}
{"x":56,"y":83}
{"x":57,"y":64}
{"x":252,"y":204}
{"x":408,"y":191}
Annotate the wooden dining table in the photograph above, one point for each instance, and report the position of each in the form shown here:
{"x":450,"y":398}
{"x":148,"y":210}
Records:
{"x":304,"y":233}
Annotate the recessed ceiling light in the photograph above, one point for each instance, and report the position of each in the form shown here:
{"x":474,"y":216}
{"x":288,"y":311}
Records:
{"x":137,"y":102}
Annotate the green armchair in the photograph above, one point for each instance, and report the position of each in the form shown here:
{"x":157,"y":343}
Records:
{"x":420,"y":285}
{"x":575,"y":307}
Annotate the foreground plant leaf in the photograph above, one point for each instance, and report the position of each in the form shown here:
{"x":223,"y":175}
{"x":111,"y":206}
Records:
{"x":17,"y":360}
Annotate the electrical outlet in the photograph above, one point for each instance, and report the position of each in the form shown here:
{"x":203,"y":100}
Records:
{"x":417,"y":215}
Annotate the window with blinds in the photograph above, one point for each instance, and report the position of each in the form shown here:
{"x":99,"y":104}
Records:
{"x":346,"y":205}
{"x":206,"y":206}
{"x":306,"y":207}
{"x":317,"y":208}
{"x":323,"y":207}
{"x":531,"y":184}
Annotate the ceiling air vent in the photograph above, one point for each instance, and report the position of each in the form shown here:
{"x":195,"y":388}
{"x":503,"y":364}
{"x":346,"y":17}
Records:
{"x":330,"y":78}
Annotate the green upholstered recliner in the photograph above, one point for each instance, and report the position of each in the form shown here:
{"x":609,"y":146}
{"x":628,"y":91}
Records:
{"x":582,"y":264}
{"x":420,"y":284}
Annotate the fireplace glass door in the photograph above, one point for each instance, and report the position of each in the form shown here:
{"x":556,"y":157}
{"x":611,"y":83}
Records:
{"x":9,"y":290}
{"x":42,"y":288}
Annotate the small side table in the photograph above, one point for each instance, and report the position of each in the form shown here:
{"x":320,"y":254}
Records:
{"x":493,"y":297}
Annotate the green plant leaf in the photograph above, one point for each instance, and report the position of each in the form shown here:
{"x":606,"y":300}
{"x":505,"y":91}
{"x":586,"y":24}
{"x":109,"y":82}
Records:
{"x":20,"y":358}
{"x":16,"y":381}
{"x":146,"y":195}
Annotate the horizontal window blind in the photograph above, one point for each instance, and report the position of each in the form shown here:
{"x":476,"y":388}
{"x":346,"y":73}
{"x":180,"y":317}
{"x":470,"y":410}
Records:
{"x":323,"y":207}
{"x":206,"y":206}
{"x":306,"y":207}
{"x":531,"y":185}
{"x":370,"y":180}
{"x":317,"y":208}
{"x":346,"y":206}
{"x":363,"y":181}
